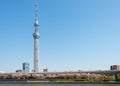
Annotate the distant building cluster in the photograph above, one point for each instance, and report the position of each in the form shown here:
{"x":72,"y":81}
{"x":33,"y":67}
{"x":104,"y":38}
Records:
{"x":115,"y":67}
{"x":25,"y":68}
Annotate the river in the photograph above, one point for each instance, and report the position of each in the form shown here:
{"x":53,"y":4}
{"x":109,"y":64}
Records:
{"x":59,"y":84}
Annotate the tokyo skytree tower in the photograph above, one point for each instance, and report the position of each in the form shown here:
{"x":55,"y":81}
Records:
{"x":36,"y":37}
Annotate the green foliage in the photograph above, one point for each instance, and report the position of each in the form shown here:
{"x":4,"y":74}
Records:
{"x":118,"y":76}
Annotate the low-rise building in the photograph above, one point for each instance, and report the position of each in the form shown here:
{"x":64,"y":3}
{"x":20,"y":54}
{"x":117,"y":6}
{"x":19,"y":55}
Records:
{"x":115,"y":67}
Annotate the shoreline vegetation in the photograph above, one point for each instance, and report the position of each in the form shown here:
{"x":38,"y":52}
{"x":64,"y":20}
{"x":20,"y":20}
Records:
{"x":70,"y":78}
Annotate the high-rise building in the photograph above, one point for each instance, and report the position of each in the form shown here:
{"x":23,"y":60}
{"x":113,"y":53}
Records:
{"x":26,"y":67}
{"x":36,"y":41}
{"x":115,"y":67}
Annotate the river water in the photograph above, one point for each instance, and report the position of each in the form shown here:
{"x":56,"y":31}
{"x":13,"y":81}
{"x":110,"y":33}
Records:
{"x":59,"y":84}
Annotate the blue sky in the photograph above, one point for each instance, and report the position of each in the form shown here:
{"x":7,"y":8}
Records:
{"x":74,"y":34}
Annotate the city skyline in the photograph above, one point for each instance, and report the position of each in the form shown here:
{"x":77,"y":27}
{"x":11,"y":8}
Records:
{"x":75,"y":34}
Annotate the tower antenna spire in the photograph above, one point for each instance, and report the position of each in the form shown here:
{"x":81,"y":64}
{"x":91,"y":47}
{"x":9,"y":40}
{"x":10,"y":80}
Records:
{"x":36,"y":9}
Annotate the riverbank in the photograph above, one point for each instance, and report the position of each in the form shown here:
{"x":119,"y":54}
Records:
{"x":56,"y":82}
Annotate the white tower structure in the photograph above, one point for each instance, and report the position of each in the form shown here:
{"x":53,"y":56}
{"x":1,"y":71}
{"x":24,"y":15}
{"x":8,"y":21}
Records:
{"x":36,"y":41}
